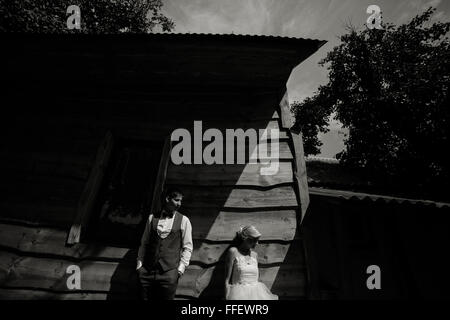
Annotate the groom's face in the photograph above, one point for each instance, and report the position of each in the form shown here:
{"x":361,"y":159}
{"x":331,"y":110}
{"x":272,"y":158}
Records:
{"x":173,"y":204}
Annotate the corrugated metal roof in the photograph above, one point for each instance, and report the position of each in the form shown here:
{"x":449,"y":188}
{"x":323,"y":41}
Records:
{"x":346,"y":182}
{"x":237,"y":36}
{"x":321,"y":159}
{"x":288,"y":41}
{"x":374,"y":197}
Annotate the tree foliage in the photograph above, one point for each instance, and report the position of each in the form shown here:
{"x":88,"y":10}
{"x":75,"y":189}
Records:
{"x":390,"y":88}
{"x":99,"y":16}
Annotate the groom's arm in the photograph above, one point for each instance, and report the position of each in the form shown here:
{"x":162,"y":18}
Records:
{"x":144,"y":242}
{"x":187,"y":245}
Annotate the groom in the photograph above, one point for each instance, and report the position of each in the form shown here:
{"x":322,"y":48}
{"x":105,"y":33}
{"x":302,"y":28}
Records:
{"x":165,"y":251}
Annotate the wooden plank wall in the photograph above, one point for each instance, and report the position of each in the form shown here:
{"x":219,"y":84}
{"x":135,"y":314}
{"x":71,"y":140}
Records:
{"x":219,"y":199}
{"x":47,"y":153}
{"x":46,"y":166}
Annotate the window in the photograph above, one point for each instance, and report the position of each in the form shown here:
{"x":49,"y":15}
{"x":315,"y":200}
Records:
{"x":123,"y":188}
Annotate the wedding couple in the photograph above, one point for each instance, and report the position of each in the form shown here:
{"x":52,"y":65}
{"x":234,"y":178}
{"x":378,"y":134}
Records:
{"x":166,"y":249}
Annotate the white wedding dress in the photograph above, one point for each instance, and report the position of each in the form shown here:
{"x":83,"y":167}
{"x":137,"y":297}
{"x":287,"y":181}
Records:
{"x":244,"y":282}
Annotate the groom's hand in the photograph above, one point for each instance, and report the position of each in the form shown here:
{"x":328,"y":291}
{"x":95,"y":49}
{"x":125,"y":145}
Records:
{"x":181,"y":269}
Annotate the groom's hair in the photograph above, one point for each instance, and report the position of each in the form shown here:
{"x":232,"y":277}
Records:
{"x":173,"y":192}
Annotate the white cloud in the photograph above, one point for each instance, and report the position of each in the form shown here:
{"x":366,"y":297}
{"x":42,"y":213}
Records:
{"x":432,"y":3}
{"x":438,"y":16}
{"x":237,"y":16}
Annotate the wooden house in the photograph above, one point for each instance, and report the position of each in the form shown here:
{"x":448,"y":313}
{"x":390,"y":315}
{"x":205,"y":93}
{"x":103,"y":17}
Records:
{"x":85,"y":155}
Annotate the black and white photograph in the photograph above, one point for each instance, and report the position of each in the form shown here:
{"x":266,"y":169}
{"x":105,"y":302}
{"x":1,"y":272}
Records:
{"x":224,"y":150}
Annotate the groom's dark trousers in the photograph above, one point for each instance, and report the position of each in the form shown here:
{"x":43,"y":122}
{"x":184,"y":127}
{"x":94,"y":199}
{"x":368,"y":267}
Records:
{"x":159,"y":274}
{"x":157,"y":284}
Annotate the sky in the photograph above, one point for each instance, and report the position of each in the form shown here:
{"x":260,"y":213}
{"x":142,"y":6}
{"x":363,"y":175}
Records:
{"x":316,"y":19}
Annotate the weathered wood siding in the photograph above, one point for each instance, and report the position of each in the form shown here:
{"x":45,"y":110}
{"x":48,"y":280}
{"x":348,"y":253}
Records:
{"x":219,"y":199}
{"x":64,"y":95}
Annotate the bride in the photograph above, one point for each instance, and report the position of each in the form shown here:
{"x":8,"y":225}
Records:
{"x":241,"y":269}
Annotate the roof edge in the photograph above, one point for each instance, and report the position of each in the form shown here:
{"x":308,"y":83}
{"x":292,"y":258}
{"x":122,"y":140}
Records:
{"x":374,"y":197}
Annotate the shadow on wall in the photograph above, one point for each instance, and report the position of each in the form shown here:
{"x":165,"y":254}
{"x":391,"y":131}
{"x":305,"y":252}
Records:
{"x":125,"y":282}
{"x":290,"y":280}
{"x":215,"y":290}
{"x":203,"y":203}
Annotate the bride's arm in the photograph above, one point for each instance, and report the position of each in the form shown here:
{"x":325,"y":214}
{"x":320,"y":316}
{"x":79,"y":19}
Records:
{"x":255,"y":255}
{"x":229,"y":260}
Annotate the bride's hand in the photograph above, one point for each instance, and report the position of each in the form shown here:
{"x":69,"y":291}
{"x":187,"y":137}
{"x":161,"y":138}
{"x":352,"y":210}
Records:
{"x":227,"y":290}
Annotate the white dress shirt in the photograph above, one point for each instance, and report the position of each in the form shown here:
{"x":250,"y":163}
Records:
{"x":164,"y":227}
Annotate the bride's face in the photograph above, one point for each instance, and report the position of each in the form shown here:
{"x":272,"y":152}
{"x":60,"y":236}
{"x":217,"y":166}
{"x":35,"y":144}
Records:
{"x":251,"y":243}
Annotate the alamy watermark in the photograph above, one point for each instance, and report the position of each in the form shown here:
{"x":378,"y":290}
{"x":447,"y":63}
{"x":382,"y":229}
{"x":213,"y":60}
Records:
{"x":374,"y":20}
{"x":74,"y":20}
{"x":222,"y":150}
{"x":74,"y":280}
{"x":374,"y":280}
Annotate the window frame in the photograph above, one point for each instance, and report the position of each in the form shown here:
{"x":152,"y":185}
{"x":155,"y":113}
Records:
{"x":92,"y":187}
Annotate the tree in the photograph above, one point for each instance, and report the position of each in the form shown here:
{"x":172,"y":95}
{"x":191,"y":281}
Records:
{"x":99,"y":16}
{"x":390,"y":88}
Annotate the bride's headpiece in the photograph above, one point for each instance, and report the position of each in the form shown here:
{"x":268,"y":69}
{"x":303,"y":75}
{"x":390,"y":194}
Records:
{"x":248,"y":232}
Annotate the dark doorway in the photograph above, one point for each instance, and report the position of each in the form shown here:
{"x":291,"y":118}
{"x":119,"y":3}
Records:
{"x":125,"y":196}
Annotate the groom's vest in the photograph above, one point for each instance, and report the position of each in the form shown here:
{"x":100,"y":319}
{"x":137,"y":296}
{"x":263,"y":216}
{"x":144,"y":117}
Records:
{"x":165,"y":252}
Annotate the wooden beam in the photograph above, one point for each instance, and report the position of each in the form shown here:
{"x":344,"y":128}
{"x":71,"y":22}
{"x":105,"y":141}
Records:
{"x":273,"y":224}
{"x":300,"y":173}
{"x":48,"y":242}
{"x":161,"y":176}
{"x":56,"y":214}
{"x":115,"y":278}
{"x":288,"y":120}
{"x":210,"y":198}
{"x":209,"y":281}
{"x":268,"y":253}
{"x":91,"y":190}
{"x":36,"y":294}
{"x":228,"y":175}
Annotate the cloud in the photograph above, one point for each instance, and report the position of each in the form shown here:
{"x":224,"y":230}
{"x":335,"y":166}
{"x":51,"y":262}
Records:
{"x":422,"y":5}
{"x":410,"y":9}
{"x":439,"y":15}
{"x":295,"y":18}
{"x":237,"y":16}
